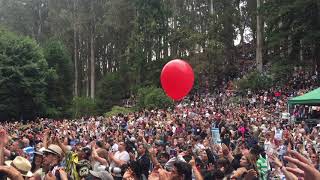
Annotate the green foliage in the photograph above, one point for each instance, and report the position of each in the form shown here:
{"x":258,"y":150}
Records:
{"x":117,"y":110}
{"x":111,"y":90}
{"x":83,"y":106}
{"x":53,"y":112}
{"x":152,"y":97}
{"x":133,"y":39}
{"x":289,"y":23}
{"x":59,"y":87}
{"x":254,"y":81}
{"x":281,"y":71}
{"x":23,"y":75}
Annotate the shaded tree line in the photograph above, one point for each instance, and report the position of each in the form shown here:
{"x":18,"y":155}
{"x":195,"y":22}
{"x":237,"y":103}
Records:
{"x":112,"y":48}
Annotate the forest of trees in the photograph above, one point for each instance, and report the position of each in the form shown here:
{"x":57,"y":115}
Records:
{"x":106,"y":50}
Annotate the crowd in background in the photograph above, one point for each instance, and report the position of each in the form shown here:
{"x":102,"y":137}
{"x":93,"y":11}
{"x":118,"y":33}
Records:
{"x":257,"y":139}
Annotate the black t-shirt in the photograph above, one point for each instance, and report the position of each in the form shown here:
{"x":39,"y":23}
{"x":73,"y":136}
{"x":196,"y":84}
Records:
{"x":235,"y":164}
{"x":144,"y":163}
{"x":225,"y":137}
{"x":203,"y":135}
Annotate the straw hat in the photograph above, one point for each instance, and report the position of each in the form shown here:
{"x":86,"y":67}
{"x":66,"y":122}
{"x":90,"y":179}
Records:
{"x":38,"y":153}
{"x":53,"y":149}
{"x":22,"y":165}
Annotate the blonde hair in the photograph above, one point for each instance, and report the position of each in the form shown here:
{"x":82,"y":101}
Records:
{"x":252,"y":161}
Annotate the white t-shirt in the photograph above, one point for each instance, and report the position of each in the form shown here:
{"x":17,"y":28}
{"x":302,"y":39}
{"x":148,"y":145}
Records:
{"x":174,"y":129}
{"x":114,"y":148}
{"x":124,"y":156}
{"x":285,"y":115}
{"x":198,"y":147}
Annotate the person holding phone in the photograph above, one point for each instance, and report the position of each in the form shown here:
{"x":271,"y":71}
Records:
{"x":118,"y":159}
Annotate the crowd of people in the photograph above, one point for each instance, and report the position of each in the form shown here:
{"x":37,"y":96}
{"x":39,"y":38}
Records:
{"x":254,"y":141}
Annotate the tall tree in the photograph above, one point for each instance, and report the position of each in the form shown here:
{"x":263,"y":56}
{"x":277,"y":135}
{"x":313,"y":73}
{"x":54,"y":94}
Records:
{"x":27,"y":17}
{"x":59,"y":88}
{"x":75,"y":46}
{"x":92,"y":50}
{"x":292,"y":27}
{"x":259,"y":45}
{"x":23,"y":75}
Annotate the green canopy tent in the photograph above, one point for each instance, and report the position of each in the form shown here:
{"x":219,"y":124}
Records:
{"x":310,"y":98}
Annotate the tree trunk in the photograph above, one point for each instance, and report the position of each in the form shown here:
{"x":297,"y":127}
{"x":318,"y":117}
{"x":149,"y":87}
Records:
{"x":87,"y":73}
{"x":211,"y":7}
{"x":316,"y":56}
{"x":317,"y":42}
{"x":40,"y":21}
{"x":173,"y":46}
{"x":301,"y":51}
{"x":290,"y":44}
{"x":92,"y":54}
{"x":75,"y":49}
{"x":92,"y":66}
{"x":259,"y":39}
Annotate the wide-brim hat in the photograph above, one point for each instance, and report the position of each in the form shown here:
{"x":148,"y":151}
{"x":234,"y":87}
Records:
{"x":22,"y":165}
{"x":38,"y":153}
{"x":53,"y":149}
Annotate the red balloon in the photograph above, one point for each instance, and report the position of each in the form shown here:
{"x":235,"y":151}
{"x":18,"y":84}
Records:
{"x":177,"y":79}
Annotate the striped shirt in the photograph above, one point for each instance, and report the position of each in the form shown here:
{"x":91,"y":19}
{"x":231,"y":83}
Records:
{"x":262,"y":165}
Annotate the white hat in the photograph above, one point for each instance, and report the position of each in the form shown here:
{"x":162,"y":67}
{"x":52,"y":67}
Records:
{"x":69,"y":148}
{"x":22,"y":165}
{"x":318,"y":125}
{"x":40,"y":153}
{"x":54,"y":149}
{"x":42,"y":149}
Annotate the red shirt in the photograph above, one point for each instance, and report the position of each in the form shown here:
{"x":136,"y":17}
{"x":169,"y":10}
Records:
{"x":277,"y":94}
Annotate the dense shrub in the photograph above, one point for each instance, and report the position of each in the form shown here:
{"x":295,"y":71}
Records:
{"x":83,"y":106}
{"x":152,"y":97}
{"x":117,"y":110}
{"x":255,"y":81}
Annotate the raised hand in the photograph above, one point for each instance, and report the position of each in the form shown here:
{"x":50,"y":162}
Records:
{"x":3,"y":137}
{"x":94,"y":151}
{"x":11,"y":172}
{"x":206,"y":143}
{"x":93,"y":145}
{"x":132,"y":156}
{"x":50,"y":176}
{"x":192,"y":162}
{"x":63,"y":174}
{"x":251,"y":174}
{"x":276,"y":160}
{"x":225,"y":149}
{"x":140,"y":134}
{"x":238,"y":173}
{"x":305,"y":168}
{"x":152,"y":152}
